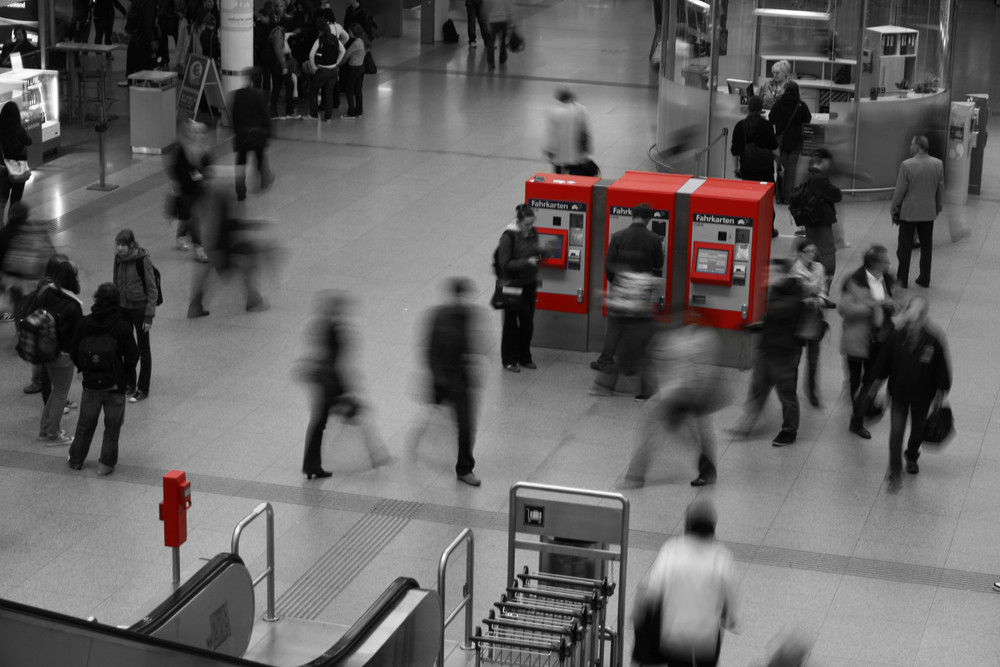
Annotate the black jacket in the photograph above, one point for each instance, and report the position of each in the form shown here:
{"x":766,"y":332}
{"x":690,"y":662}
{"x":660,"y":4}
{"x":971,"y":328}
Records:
{"x":781,"y":322}
{"x":67,"y":311}
{"x":761,"y":134}
{"x":107,"y":319}
{"x":449,"y":347}
{"x":916,"y":372}
{"x":515,"y":251}
{"x":819,"y":182}
{"x":14,"y":144}
{"x":635,"y":249}
{"x":788,"y":116}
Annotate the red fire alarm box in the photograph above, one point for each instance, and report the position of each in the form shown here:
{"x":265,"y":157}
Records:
{"x":173,"y":509}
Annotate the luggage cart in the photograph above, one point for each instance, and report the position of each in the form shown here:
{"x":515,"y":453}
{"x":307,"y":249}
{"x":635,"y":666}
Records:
{"x":548,"y":601}
{"x":539,"y":630}
{"x":523,"y":653}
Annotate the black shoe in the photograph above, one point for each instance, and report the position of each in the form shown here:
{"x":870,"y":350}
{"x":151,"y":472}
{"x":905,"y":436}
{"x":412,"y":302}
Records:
{"x":774,"y":233}
{"x":702,"y":481}
{"x":241,"y":196}
{"x":201,"y":312}
{"x":922,"y":283}
{"x":860,"y":431}
{"x":813,"y":399}
{"x":318,"y":474}
{"x":912,"y":467}
{"x":902,"y":283}
{"x":641,"y":398}
{"x":512,"y":368}
{"x":784,"y":438}
{"x":138,"y":396}
{"x":470,"y":479}
{"x":530,"y":365}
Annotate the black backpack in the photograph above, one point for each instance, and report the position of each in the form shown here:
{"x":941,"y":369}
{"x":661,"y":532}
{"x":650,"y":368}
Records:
{"x":98,"y":355}
{"x":805,"y":206}
{"x":141,"y":269}
{"x":37,"y":337}
{"x":497,"y":269}
{"x":449,"y":32}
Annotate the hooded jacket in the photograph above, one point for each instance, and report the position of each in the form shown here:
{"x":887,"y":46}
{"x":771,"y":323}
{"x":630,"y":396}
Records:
{"x":106,"y":318}
{"x":66,"y":308}
{"x":134,"y":294}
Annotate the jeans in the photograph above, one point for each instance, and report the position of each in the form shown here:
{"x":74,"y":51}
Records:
{"x":323,"y":83}
{"x":904,"y":248}
{"x":498,"y":36}
{"x":859,"y":376}
{"x":780,"y":371}
{"x":634,"y":334}
{"x":518,"y":327}
{"x":612,"y":336}
{"x":918,"y":409}
{"x":136,"y":317}
{"x":353,"y":79}
{"x":812,"y":365}
{"x":279,"y":80}
{"x":61,"y":373}
{"x":789,"y":162}
{"x":9,"y":192}
{"x":461,"y":402}
{"x":257,"y":148}
{"x":91,"y":403}
{"x":103,"y":27}
{"x":474,"y":13}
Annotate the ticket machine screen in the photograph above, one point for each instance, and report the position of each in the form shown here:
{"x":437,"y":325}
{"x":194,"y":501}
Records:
{"x":553,"y":245}
{"x":713,"y":261}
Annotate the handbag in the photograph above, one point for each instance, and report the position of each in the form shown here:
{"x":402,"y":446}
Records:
{"x":369,"y":63}
{"x":18,"y":171}
{"x":646,"y":648}
{"x":507,"y":296}
{"x":940,"y":424}
{"x":812,"y":326}
{"x":515,"y":43}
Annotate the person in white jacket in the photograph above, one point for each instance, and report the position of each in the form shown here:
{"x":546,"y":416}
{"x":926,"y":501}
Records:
{"x":692,"y":584}
{"x":567,"y":133}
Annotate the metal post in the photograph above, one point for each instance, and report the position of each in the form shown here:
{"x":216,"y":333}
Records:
{"x":177,"y":565}
{"x":263,"y":508}
{"x":102,"y":127}
{"x":465,"y":535}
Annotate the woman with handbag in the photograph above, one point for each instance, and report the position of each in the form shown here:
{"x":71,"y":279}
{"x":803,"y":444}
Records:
{"x":788,"y":115}
{"x":812,"y":326}
{"x":14,"y":142}
{"x":517,"y":258}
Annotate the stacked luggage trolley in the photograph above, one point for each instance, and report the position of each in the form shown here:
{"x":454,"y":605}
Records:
{"x":558,"y":614}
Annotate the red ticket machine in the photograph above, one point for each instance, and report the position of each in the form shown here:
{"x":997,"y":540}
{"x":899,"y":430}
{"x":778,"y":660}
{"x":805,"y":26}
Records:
{"x":730,"y":249}
{"x":563,"y":206}
{"x":660,"y":192}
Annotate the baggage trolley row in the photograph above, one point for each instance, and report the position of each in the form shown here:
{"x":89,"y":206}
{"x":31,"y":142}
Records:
{"x":546,"y":619}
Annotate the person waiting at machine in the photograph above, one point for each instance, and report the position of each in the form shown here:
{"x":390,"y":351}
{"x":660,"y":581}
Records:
{"x":754,"y":147}
{"x":776,"y":362}
{"x":788,"y":115}
{"x":635,"y":257}
{"x":781,"y":73}
{"x":811,"y":274}
{"x":19,"y":44}
{"x":567,"y":133}
{"x":518,"y":256}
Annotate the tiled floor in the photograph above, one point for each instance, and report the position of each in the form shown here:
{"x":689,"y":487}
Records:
{"x":389,"y":206}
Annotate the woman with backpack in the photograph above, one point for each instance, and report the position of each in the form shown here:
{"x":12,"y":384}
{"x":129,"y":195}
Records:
{"x":60,"y":302}
{"x":135,"y":279}
{"x":753,"y":146}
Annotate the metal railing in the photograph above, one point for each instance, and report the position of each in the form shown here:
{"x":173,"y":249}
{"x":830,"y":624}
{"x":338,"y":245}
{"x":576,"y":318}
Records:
{"x":699,"y":154}
{"x":269,"y":572}
{"x":467,"y":590}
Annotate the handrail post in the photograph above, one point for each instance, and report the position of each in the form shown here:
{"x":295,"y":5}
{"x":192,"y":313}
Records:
{"x":446,"y":618}
{"x":266,"y":509}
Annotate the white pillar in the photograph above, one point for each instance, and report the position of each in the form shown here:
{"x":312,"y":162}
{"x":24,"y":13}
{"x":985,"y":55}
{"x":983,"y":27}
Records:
{"x":236,"y":38}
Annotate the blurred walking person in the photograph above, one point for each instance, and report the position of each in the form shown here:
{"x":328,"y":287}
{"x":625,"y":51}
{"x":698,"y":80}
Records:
{"x":567,"y":143}
{"x":251,"y":130}
{"x":332,"y":394}
{"x":451,"y":341}
{"x":135,"y":281}
{"x":105,"y":354}
{"x":25,"y":249}
{"x":190,"y":172}
{"x":691,"y":591}
{"x":812,"y":327}
{"x":14,"y":142}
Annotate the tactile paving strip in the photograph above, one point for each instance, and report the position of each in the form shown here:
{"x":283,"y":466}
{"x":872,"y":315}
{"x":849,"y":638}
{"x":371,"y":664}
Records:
{"x":385,"y":517}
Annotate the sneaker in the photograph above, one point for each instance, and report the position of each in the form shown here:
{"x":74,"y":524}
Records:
{"x":530,"y":365}
{"x":138,"y":396}
{"x":382,"y":459}
{"x":800,"y":233}
{"x":104,"y":469}
{"x":512,"y":368}
{"x":894,"y":483}
{"x":472,"y":44}
{"x":631,"y":483}
{"x":199,"y":254}
{"x":350,"y":116}
{"x":43,"y":436}
{"x":861,"y":432}
{"x":60,"y":441}
{"x":641,"y":398}
{"x":912,"y":467}
{"x":996,"y":586}
{"x":598,"y":390}
{"x":72,"y":405}
{"x":784,"y":438}
{"x":470,"y":479}
{"x":257,"y":306}
{"x":182,"y":244}
{"x":33,"y":388}
{"x":6,"y":317}
{"x":702,"y":481}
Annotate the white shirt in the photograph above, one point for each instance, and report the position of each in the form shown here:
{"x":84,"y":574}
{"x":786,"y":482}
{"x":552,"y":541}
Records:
{"x":563,"y":124}
{"x":876,"y":285}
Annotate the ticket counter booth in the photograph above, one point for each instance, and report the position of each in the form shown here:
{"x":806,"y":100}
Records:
{"x":563,"y":211}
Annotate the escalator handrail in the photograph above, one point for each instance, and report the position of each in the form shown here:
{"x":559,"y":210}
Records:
{"x":361,"y":628}
{"x":190,"y":589}
{"x":56,"y":618}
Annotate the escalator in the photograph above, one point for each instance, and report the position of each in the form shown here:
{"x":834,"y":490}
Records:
{"x":208,"y":622}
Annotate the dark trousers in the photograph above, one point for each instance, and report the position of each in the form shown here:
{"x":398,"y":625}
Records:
{"x":325,"y":399}
{"x":904,"y":248}
{"x":498,"y":37}
{"x":612,"y":336}
{"x":11,"y":192}
{"x":281,"y":80}
{"x":139,"y":56}
{"x":682,"y":658}
{"x":518,"y":327}
{"x":323,"y":83}
{"x":241,"y":166}
{"x":188,"y":221}
{"x":354,"y":77}
{"x":81,"y":28}
{"x":244,"y":258}
{"x":859,"y":377}
{"x":461,"y":401}
{"x":474,"y":14}
{"x":135,"y":317}
{"x":812,"y":365}
{"x":634,"y":334}
{"x":103,"y":27}
{"x":91,"y":403}
{"x":780,"y":371}
{"x":918,"y":409}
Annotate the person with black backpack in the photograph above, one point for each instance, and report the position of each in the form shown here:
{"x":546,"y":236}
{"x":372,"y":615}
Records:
{"x":138,"y":296}
{"x":754,"y":146}
{"x":813,"y":205}
{"x":106,"y":354}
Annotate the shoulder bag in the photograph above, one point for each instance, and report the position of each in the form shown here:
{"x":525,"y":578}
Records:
{"x":18,"y":171}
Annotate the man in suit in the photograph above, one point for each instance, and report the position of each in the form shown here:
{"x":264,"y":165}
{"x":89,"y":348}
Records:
{"x":915,"y":204}
{"x":916,"y":364}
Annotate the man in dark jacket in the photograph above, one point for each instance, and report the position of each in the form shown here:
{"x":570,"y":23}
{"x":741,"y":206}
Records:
{"x":450,"y":344}
{"x":820,"y":232}
{"x":777,"y":362}
{"x":754,"y":146}
{"x":916,"y":364}
{"x":251,"y":130}
{"x":634,"y":259}
{"x":106,"y":354}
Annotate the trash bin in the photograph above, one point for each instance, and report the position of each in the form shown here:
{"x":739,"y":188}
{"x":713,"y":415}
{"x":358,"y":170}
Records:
{"x":153,"y":111}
